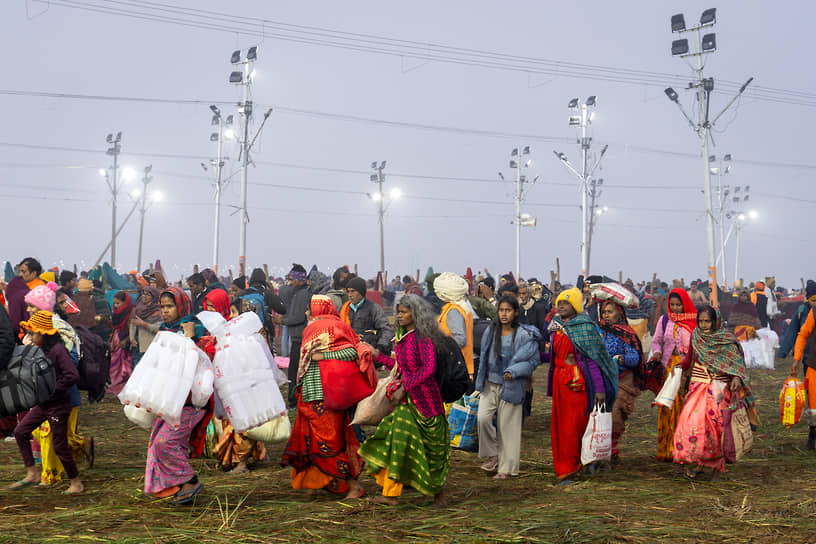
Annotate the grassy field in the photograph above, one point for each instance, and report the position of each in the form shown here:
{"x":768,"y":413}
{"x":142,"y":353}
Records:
{"x":769,"y":497}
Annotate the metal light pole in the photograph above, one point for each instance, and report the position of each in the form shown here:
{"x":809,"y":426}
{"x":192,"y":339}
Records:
{"x":379,"y":178}
{"x":244,"y":78}
{"x":722,"y":198}
{"x":218,"y":163}
{"x":146,"y":179}
{"x":517,"y":162}
{"x":583,"y":120}
{"x":114,"y":150}
{"x":702,"y":45}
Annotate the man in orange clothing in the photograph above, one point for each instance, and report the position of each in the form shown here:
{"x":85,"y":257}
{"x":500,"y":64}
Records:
{"x":806,"y":335}
{"x":456,"y":319}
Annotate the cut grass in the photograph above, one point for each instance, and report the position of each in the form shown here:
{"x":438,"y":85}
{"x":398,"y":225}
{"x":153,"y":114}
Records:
{"x":766,"y":498}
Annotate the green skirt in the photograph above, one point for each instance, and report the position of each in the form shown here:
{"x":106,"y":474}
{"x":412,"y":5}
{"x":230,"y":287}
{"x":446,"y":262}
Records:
{"x":415,"y":449}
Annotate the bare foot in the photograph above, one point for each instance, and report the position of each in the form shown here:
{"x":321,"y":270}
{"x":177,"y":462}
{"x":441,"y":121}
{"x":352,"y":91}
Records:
{"x":32,"y":477}
{"x":355,"y":490}
{"x":75,"y":488}
{"x":240,"y":468}
{"x":440,"y":500}
{"x":389,"y":501}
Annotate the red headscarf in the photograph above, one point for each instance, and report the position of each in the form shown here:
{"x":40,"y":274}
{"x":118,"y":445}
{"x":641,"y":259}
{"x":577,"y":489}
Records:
{"x":183,"y":304}
{"x":687,"y":319}
{"x":220,"y":301}
{"x":121,"y":317}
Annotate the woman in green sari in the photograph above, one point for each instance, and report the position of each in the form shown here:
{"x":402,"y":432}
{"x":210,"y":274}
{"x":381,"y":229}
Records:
{"x":411,"y":445}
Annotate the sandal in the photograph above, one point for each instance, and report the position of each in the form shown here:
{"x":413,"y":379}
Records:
{"x":21,"y":484}
{"x":490,"y":465}
{"x":187,"y":497}
{"x":501,"y":476}
{"x":692,"y":473}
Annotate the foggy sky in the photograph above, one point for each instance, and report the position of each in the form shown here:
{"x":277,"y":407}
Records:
{"x":56,"y":205}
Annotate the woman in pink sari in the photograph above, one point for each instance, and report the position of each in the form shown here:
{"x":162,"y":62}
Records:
{"x":121,"y":351}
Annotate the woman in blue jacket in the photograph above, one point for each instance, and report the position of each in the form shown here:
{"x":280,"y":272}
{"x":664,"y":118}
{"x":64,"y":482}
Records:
{"x":509,"y":357}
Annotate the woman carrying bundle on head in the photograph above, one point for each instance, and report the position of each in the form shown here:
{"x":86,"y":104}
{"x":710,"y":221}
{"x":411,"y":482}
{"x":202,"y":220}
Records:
{"x":719,"y":383}
{"x":411,"y":445}
{"x":168,"y":471}
{"x":670,"y":345}
{"x":56,"y":410}
{"x":322,"y":448}
{"x":624,"y":347}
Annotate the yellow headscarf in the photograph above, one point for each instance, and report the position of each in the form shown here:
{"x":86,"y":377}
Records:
{"x":574,"y":297}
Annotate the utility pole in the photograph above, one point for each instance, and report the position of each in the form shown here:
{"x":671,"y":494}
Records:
{"x":379,"y":178}
{"x":703,"y":44}
{"x":218,"y":163}
{"x":115,"y":148}
{"x":595,"y":212}
{"x":722,"y":201}
{"x":585,"y":115}
{"x":244,"y":78}
{"x":518,"y":161}
{"x":146,"y":179}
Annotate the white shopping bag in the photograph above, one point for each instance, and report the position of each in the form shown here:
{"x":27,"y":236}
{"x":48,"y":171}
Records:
{"x":670,"y":388}
{"x":597,"y":442}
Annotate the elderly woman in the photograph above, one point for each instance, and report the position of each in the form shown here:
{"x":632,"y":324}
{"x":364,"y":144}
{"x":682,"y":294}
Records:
{"x":145,"y":322}
{"x":582,"y":374}
{"x":743,"y":317}
{"x":322,"y":448}
{"x":411,"y":445}
{"x":624,"y":347}
{"x":718,"y":383}
{"x":456,"y":319}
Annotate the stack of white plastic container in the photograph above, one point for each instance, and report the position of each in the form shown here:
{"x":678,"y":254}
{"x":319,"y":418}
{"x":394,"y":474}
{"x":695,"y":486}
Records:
{"x":171,"y":369}
{"x":247,"y":379}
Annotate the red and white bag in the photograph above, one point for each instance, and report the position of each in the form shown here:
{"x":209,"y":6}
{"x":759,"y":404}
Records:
{"x":597,"y":442}
{"x":616,"y":292}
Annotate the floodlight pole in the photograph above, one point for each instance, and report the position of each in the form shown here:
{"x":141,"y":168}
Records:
{"x":584,"y":188}
{"x":145,"y":182}
{"x":518,"y":213}
{"x":381,"y":212}
{"x":246,"y":111}
{"x":738,"y":229}
{"x":114,"y":151}
{"x":219,"y":165}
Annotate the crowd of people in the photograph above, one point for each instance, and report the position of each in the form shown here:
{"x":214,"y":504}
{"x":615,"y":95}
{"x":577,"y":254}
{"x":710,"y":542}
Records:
{"x":603,"y":352}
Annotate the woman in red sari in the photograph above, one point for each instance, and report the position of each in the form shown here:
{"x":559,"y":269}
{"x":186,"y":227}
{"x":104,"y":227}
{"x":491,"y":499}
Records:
{"x":322,"y":449}
{"x":121,"y":354}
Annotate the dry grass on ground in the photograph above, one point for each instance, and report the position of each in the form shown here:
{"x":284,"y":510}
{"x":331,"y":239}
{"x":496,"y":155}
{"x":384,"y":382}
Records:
{"x":769,"y":497}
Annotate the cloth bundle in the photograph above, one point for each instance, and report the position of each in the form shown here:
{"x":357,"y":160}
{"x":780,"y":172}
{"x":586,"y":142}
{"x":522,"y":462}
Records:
{"x":616,"y":292}
{"x":171,"y":369}
{"x":247,"y":379}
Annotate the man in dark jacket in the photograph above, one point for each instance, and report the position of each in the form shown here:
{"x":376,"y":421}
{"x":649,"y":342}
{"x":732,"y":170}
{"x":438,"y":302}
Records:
{"x":367,"y":318}
{"x":295,"y":321}
{"x":533,"y":312}
{"x":198,"y":290}
{"x":212,"y":280}
{"x":6,"y":337}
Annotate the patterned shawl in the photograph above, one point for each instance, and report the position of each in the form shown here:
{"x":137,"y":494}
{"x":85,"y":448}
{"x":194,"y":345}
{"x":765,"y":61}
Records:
{"x":149,"y":312}
{"x":622,"y":329}
{"x":721,"y":353}
{"x":584,"y":335}
{"x":327,"y":332}
{"x":687,"y":319}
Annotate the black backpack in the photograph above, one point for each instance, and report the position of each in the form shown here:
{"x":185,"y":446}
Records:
{"x":28,"y":380}
{"x":94,"y":363}
{"x":451,"y":370}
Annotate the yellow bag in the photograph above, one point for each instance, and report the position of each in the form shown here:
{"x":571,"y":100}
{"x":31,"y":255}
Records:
{"x":792,"y":401}
{"x":274,"y":430}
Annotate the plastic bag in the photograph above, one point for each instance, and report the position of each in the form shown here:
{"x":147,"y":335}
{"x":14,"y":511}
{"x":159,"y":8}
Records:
{"x":140,"y":416}
{"x":463,"y":422}
{"x":670,"y":389}
{"x":597,"y":442}
{"x":274,"y":430}
{"x":372,"y":409}
{"x":792,"y":400}
{"x":616,"y":292}
{"x":202,"y":388}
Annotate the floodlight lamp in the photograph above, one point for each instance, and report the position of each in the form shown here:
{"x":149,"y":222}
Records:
{"x":382,"y":165}
{"x":156,"y":196}
{"x":709,"y":42}
{"x":374,"y":177}
{"x":215,"y":120}
{"x":376,"y":196}
{"x":214,"y":137}
{"x":714,"y":171}
{"x":671,"y":93}
{"x":727,"y":170}
{"x":128,"y":174}
{"x":747,"y":188}
{"x":727,"y":157}
{"x":680,"y":47}
{"x":599,"y":212}
{"x":526,"y":150}
{"x":712,"y":158}
{"x":501,"y":176}
{"x":395,"y":193}
{"x":229,"y":119}
{"x":135,"y":193}
{"x":753,"y":214}
{"x":148,"y":169}
{"x":574,"y":120}
{"x":109,"y":138}
{"x":746,"y":197}
{"x":118,"y":137}
{"x":709,"y":17}
{"x":737,"y":189}
{"x":215,"y":109}
{"x":513,"y":164}
{"x":515,"y":152}
{"x":708,"y":84}
{"x":374,"y":165}
{"x":236,"y":57}
{"x":229,"y":134}
{"x":590,"y":101}
{"x":103,"y":172}
{"x":252,"y":54}
{"x":236,"y":77}
{"x":678,"y":23}
{"x":741,"y":217}
{"x":528,"y":163}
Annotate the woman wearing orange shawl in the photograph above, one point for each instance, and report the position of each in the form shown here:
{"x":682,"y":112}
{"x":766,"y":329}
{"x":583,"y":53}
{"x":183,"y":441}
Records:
{"x":670,"y":345}
{"x":322,"y":449}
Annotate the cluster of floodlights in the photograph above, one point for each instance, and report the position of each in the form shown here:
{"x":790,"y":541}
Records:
{"x":708,"y":43}
{"x":217,"y":120}
{"x":251,"y":56}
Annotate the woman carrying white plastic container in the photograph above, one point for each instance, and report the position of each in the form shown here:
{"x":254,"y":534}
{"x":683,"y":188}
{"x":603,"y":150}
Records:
{"x":168,"y":470}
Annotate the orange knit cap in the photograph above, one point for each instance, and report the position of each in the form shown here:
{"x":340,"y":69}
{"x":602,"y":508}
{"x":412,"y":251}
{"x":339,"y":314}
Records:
{"x":40,"y":322}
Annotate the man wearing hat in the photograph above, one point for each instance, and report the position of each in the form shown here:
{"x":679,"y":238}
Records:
{"x":366,"y":318}
{"x":27,"y":278}
{"x":804,"y":342}
{"x":295,"y":321}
